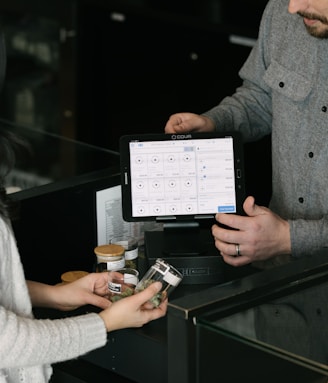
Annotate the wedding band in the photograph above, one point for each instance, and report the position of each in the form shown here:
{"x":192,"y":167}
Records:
{"x":238,"y":250}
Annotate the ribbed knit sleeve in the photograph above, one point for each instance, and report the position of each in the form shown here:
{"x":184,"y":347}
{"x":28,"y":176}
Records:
{"x":28,"y":345}
{"x":27,"y":342}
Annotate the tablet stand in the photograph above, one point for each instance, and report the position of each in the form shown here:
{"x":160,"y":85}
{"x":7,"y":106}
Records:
{"x":189,"y":248}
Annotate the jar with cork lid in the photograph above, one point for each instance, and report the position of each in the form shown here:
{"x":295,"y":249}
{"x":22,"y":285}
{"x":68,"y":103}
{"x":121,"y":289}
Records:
{"x":109,"y":257}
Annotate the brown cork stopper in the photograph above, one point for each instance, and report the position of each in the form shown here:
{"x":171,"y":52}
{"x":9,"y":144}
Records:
{"x":71,"y":276}
{"x":110,"y":250}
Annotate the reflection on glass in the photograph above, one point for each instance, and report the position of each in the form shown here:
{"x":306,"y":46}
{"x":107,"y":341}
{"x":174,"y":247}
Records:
{"x":53,"y":158}
{"x":31,"y":88}
{"x":294,"y":326}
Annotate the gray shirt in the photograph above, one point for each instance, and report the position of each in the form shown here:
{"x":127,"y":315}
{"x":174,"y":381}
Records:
{"x":285,"y":93}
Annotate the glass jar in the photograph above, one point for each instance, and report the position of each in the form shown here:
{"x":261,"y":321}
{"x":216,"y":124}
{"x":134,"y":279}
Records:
{"x":163,"y":272}
{"x":121,"y":283}
{"x":130,"y":245}
{"x":109,"y":257}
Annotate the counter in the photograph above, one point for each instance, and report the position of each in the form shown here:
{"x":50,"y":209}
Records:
{"x":207,"y":335}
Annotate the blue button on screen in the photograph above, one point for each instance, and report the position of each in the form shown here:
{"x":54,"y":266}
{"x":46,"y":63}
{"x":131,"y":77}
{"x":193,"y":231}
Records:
{"x":227,"y":209}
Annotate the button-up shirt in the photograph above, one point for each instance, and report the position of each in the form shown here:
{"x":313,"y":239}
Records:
{"x":285,"y":93}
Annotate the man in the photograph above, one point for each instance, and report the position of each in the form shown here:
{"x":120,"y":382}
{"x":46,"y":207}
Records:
{"x":284,"y":93}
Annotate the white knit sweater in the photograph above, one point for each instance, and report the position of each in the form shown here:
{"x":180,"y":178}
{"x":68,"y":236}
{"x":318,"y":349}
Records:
{"x":27,"y":345}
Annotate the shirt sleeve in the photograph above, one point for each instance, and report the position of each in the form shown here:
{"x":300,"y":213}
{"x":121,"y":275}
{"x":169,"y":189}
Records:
{"x":249,"y":109}
{"x":27,"y":341}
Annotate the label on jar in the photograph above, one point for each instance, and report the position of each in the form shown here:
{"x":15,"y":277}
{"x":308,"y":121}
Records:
{"x":161,"y":266}
{"x":131,"y":254}
{"x":172,"y":279}
{"x":130,"y":279}
{"x":114,"y":287}
{"x":115,"y":265}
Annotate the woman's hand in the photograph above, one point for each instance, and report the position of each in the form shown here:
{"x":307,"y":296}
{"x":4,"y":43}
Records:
{"x":135,"y":310}
{"x":89,"y":290}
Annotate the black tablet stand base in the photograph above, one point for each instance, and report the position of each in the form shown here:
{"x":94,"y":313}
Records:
{"x":192,"y":252}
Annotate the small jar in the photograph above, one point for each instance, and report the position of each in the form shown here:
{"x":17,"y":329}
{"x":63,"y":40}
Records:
{"x":121,"y":283}
{"x":163,"y":272}
{"x":109,"y":257}
{"x":130,"y":245}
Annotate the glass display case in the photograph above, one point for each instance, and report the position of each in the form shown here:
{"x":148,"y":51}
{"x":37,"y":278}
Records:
{"x":283,"y":340}
{"x":52,"y":162}
{"x":31,"y":91}
{"x":39,"y":89}
{"x":53,"y":186}
{"x":266,"y":327}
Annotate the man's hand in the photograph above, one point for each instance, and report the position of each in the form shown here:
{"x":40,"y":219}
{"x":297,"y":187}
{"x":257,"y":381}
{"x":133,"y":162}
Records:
{"x":188,"y":122}
{"x":258,"y":236}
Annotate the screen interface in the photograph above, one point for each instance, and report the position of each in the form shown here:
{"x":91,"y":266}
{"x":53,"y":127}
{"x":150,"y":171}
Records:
{"x":182,"y":177}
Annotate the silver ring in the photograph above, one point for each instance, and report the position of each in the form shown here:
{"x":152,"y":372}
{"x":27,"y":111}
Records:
{"x":238,"y":250}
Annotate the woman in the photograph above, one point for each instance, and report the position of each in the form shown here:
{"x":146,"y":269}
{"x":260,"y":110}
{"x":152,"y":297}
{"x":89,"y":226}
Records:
{"x":28,"y":346}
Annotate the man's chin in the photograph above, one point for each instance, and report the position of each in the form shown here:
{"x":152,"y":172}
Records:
{"x":316,"y":29}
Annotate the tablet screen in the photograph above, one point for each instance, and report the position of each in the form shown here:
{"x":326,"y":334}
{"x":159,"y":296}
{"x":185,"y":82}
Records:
{"x":169,"y":177}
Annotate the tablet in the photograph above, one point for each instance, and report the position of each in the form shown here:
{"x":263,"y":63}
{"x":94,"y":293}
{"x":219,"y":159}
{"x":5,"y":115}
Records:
{"x":187,"y":177}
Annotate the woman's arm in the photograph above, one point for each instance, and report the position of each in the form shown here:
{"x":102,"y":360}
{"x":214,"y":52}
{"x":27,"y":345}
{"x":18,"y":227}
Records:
{"x":91,"y":289}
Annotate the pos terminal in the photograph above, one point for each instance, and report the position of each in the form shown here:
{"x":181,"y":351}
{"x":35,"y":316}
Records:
{"x":182,"y":181}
